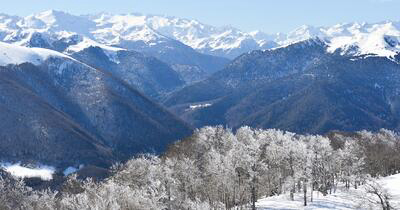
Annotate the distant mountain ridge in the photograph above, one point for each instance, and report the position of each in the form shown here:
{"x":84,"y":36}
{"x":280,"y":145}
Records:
{"x":303,"y":88}
{"x":70,"y":34}
{"x":152,"y":31}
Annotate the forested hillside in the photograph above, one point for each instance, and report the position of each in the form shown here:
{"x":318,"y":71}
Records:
{"x":219,"y":169}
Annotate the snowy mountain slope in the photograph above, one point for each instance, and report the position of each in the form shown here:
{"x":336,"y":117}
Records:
{"x":45,"y":28}
{"x":220,"y":41}
{"x":69,"y":34}
{"x":342,"y":199}
{"x":68,"y":113}
{"x":12,"y":54}
{"x":381,"y":39}
{"x":145,"y":73}
{"x":115,"y":29}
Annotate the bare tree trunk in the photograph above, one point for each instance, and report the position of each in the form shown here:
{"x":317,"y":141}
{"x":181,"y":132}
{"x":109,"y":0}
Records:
{"x":312,"y":192}
{"x":234,"y":196}
{"x":382,"y":203}
{"x":299,"y":186}
{"x":305,"y":192}
{"x":335,"y":185}
{"x":253,"y":194}
{"x":292,"y":192}
{"x":168,"y":194}
{"x":239,"y":194}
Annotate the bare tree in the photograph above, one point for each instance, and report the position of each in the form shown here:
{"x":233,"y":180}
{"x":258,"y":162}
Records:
{"x":377,"y":190}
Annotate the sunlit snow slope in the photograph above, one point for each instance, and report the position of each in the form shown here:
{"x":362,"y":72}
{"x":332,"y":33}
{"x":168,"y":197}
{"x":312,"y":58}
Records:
{"x":12,"y":54}
{"x":342,"y":199}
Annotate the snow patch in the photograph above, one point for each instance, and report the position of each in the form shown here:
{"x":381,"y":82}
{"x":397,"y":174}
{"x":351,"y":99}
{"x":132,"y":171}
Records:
{"x":13,"y":54}
{"x":111,"y":52}
{"x":199,"y":106}
{"x":86,"y":43}
{"x":70,"y":170}
{"x":44,"y":172}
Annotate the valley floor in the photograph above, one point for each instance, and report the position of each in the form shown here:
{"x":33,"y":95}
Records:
{"x":343,"y":199}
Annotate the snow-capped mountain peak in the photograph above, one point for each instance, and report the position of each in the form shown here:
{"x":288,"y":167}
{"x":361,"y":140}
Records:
{"x":378,"y":39}
{"x":105,"y":29}
{"x":111,"y":29}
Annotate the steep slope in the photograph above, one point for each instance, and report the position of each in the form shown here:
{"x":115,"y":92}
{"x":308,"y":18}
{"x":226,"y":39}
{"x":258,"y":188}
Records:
{"x":252,"y":69}
{"x":31,"y":129}
{"x":147,"y":74}
{"x":64,"y":113}
{"x":301,"y":88}
{"x":338,"y":95}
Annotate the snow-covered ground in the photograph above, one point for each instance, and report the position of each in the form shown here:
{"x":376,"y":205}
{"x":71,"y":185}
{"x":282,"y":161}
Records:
{"x":13,"y":54}
{"x":392,"y":184}
{"x":343,"y":199}
{"x":43,"y":172}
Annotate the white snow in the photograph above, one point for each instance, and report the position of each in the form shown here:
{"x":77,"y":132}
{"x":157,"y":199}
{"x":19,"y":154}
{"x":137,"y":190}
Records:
{"x":70,"y":170}
{"x":110,"y":51}
{"x":43,"y":172}
{"x":337,"y":201}
{"x":13,"y":54}
{"x":199,"y":106}
{"x":380,"y":39}
{"x":343,"y":199}
{"x":392,"y":184}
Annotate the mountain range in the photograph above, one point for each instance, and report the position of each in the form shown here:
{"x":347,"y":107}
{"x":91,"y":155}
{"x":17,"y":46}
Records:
{"x":144,"y":31}
{"x":70,"y":34}
{"x":302,"y":88}
{"x":57,"y":110}
{"x":95,"y":89}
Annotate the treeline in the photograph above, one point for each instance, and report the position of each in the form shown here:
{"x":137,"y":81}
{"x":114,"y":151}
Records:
{"x":216,"y":168}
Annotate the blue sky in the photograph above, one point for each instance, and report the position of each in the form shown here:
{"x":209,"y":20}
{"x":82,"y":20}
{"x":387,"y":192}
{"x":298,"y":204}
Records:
{"x":270,"y":16}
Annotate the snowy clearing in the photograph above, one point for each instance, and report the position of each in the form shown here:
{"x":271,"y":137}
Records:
{"x":343,"y":199}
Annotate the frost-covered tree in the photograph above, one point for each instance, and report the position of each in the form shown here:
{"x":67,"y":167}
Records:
{"x":322,"y":164}
{"x":351,"y":163}
{"x":217,"y":168}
